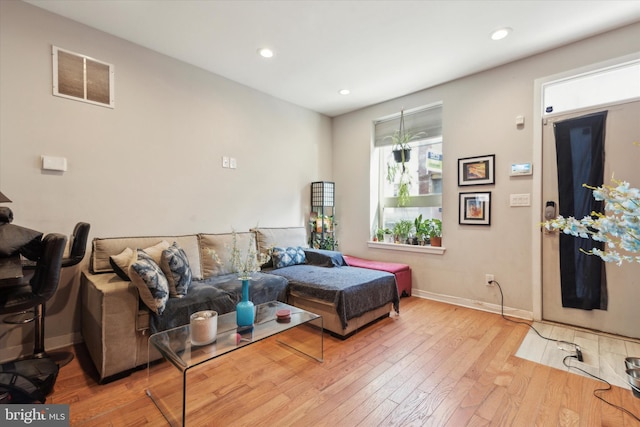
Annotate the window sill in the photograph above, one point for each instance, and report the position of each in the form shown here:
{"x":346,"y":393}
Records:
{"x":436,"y":250}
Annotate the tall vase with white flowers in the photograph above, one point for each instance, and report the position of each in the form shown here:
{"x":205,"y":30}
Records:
{"x":618,"y":227}
{"x":245,"y":264}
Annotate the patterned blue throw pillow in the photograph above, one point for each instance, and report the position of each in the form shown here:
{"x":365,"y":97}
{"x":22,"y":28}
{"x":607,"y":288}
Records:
{"x":285,"y":257}
{"x":149,"y":275}
{"x":175,"y":265}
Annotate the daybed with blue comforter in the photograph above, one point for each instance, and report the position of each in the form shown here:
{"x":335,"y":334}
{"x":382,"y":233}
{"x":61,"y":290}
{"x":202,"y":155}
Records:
{"x":321,"y":282}
{"x":343,"y":295}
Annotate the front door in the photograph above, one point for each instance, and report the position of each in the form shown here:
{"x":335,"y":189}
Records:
{"x":622,"y":160}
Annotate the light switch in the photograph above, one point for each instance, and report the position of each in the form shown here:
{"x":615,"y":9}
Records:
{"x":225,"y":161}
{"x":51,"y":163}
{"x":232,"y":163}
{"x":520,"y":199}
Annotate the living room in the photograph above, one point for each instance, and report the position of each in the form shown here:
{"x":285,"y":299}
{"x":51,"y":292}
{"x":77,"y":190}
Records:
{"x":151,"y":165}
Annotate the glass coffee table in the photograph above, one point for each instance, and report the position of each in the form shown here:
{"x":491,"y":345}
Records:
{"x":185,"y":389}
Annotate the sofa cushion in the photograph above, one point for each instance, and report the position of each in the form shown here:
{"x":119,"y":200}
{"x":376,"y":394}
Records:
{"x":155,"y":251}
{"x":216,"y":251}
{"x":103,"y":248}
{"x":285,"y":257}
{"x":151,"y":282}
{"x":122,"y":262}
{"x":268,"y":238}
{"x":175,"y":266}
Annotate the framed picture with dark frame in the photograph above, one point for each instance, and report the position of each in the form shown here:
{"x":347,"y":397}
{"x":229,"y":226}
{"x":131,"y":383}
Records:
{"x":476,"y":170}
{"x":475,"y":208}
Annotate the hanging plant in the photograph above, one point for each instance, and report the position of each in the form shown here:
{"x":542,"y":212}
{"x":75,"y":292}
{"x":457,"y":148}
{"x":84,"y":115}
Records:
{"x":402,"y":155}
{"x":403,"y":189}
{"x":401,"y":150}
{"x":400,"y":142}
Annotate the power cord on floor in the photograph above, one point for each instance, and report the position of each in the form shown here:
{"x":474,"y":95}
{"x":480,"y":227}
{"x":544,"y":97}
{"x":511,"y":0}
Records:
{"x":577,"y":356}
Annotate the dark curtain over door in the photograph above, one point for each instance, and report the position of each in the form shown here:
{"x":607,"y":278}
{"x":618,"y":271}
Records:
{"x":580,"y":159}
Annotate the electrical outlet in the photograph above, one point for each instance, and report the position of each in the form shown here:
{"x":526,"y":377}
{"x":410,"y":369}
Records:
{"x":488,"y":279}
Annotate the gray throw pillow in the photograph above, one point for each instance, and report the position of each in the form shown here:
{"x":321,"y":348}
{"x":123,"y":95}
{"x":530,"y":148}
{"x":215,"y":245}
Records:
{"x":151,"y":282}
{"x":175,"y":266}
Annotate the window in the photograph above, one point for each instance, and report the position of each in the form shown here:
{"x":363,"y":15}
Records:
{"x":600,"y":87}
{"x":422,"y":169}
{"x":82,"y":78}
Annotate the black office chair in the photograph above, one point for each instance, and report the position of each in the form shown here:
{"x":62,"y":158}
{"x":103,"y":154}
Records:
{"x":77,"y":249}
{"x":77,"y":244}
{"x":39,"y":289}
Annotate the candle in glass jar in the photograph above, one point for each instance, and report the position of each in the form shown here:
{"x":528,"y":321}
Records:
{"x":204,"y":327}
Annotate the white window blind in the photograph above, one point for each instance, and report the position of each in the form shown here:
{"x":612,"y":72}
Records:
{"x":424,"y":119}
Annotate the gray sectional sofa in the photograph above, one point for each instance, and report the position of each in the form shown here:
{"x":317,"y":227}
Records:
{"x":119,"y":313}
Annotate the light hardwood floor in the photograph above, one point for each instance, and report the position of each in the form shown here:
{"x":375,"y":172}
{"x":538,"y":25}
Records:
{"x":435,"y":364}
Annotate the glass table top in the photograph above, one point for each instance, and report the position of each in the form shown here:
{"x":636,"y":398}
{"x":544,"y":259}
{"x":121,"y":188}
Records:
{"x":176,"y":346}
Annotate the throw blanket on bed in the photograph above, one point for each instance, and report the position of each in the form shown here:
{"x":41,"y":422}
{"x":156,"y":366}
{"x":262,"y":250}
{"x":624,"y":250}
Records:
{"x":354,"y":291}
{"x":220,"y":293}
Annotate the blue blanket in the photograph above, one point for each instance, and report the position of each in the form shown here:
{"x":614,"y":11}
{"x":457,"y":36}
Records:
{"x":353,"y":290}
{"x":220,"y":293}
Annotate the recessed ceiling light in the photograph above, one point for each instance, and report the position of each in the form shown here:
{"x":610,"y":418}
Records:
{"x":265,"y":52}
{"x":344,"y":91}
{"x":501,"y":33}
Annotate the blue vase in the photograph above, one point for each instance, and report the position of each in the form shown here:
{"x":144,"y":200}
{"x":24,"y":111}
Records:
{"x":245,"y":310}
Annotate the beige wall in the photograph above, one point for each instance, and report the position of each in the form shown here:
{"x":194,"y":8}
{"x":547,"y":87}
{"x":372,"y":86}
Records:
{"x":479,"y":118}
{"x":152,"y":165}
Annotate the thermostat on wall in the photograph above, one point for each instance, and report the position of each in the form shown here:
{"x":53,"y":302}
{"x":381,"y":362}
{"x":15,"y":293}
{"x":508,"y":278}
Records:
{"x":518,"y":169}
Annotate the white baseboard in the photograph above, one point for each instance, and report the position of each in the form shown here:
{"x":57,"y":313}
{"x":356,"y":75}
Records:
{"x":50,"y":344}
{"x":476,"y":305}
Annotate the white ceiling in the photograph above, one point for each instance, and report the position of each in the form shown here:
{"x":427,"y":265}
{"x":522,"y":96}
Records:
{"x":378,"y":49}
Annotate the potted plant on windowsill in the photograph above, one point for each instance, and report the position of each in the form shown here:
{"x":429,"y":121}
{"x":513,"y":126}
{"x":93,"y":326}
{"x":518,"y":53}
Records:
{"x":435,"y":232}
{"x":380,"y":233}
{"x":422,"y":230}
{"x":402,"y":230}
